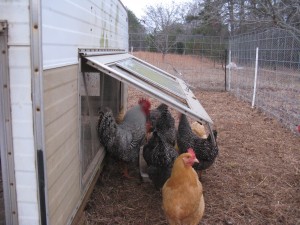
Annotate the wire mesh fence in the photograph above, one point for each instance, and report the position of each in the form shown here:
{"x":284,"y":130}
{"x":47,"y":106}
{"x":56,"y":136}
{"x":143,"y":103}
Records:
{"x":200,"y":61}
{"x":278,"y":73}
{"x":197,"y":59}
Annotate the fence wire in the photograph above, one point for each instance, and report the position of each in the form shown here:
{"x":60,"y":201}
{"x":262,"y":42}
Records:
{"x":197,"y":59}
{"x":200,"y":61}
{"x":278,"y":74}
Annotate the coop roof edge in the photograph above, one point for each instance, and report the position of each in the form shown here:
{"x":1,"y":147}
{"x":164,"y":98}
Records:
{"x":192,"y":108}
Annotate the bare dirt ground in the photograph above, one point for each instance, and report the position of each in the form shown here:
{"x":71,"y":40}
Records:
{"x":254,"y":180}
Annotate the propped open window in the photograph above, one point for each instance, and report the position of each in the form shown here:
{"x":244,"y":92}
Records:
{"x":150,"y":79}
{"x":104,"y":76}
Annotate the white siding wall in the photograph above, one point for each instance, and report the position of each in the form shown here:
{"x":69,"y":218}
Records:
{"x":66,"y":26}
{"x":17,"y":14}
{"x":69,"y":25}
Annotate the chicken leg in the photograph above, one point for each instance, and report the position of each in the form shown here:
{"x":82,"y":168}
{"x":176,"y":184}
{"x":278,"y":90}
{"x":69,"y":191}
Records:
{"x":125,"y":172}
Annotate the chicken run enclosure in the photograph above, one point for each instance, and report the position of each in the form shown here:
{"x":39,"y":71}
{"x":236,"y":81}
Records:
{"x":268,"y":79}
{"x":54,"y":170}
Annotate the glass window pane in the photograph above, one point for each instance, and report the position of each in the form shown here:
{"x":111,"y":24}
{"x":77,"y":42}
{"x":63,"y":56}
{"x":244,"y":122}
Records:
{"x":151,"y":75}
{"x":170,"y":90}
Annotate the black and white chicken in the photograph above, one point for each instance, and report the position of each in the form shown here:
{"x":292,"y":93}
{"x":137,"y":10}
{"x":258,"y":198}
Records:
{"x":163,"y":122}
{"x":159,"y":156}
{"x":205,"y":149}
{"x":123,"y":141}
{"x":159,"y":152}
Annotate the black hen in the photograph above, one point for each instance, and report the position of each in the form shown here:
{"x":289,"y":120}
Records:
{"x":159,"y":156}
{"x":163,"y":123}
{"x":206,"y":151}
{"x":123,"y":141}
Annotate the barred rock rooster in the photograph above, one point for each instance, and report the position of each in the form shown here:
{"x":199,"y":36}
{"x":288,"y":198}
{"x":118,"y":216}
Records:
{"x":123,"y":141}
{"x":159,"y":156}
{"x":163,"y":122}
{"x":205,"y":149}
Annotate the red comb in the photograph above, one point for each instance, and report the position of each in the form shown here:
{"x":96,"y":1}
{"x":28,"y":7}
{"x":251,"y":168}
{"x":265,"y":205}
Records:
{"x":145,"y":104}
{"x":191,"y":151}
{"x":144,"y":101}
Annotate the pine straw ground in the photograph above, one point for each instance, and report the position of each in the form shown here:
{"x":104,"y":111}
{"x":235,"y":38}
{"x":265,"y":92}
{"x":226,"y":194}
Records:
{"x":254,"y":180}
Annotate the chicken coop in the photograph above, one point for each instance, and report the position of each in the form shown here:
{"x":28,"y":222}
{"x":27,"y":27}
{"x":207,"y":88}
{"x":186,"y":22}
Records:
{"x":62,"y":61}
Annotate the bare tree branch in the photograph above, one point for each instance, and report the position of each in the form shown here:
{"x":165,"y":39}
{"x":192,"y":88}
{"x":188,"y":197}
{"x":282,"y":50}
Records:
{"x":163,"y":21}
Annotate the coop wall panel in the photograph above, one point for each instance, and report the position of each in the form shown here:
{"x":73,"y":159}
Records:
{"x":52,"y":79}
{"x":57,"y":135}
{"x":23,"y":147}
{"x":62,"y":97}
{"x":68,"y":184}
{"x":29,"y":213}
{"x":62,"y":142}
{"x":56,"y":163}
{"x":16,"y":13}
{"x":81,"y":24}
{"x":30,"y":193}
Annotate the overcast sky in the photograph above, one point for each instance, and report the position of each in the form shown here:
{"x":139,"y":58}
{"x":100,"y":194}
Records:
{"x":138,"y":6}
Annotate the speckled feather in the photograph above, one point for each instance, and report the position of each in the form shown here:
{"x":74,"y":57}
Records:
{"x":205,"y":150}
{"x":157,"y":152}
{"x":123,"y":141}
{"x":159,"y":156}
{"x":163,"y":122}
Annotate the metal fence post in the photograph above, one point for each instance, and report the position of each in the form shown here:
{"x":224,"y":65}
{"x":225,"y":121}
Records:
{"x":229,"y":70}
{"x":226,"y":69}
{"x":255,"y":77}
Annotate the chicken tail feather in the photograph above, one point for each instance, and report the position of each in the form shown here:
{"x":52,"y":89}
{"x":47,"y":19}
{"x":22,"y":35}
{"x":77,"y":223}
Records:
{"x":106,"y":128}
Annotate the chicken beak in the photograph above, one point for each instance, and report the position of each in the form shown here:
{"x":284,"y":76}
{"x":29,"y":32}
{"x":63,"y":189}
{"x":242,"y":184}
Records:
{"x":196,"y":160}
